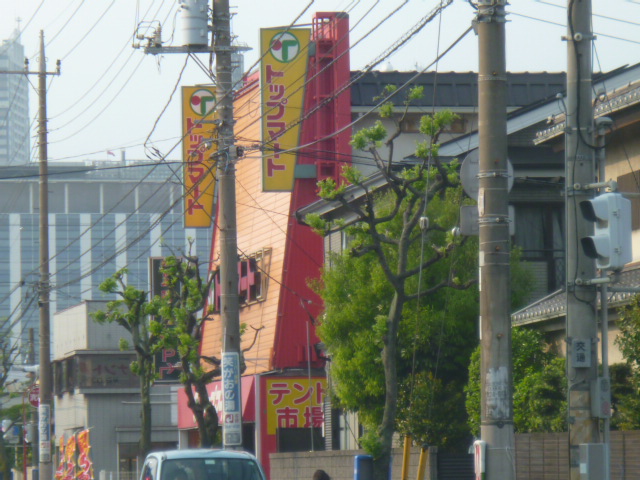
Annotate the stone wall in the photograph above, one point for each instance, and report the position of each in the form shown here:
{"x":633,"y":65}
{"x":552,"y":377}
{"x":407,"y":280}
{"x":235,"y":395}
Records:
{"x":339,"y":464}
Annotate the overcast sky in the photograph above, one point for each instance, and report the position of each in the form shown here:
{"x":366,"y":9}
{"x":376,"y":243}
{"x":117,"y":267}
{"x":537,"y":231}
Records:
{"x":110,"y":95}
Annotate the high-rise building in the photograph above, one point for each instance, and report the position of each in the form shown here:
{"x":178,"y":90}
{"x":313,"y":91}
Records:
{"x":14,"y":104}
{"x":103,"y":216}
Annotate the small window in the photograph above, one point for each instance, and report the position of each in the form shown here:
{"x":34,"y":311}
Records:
{"x":150,"y":469}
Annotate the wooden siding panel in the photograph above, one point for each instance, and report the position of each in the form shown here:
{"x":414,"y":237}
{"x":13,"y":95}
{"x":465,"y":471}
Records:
{"x":262,"y":219}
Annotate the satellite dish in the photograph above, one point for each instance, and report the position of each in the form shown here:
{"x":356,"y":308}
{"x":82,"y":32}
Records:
{"x":469,"y":171}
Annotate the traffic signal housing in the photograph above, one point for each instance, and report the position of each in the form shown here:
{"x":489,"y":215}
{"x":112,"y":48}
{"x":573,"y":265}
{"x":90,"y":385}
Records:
{"x":611,"y":243}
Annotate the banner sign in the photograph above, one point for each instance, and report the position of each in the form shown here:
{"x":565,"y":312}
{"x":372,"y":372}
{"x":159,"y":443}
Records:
{"x":232,"y":406}
{"x":67,"y":467}
{"x":283,"y":75}
{"x":44,"y":432}
{"x":294,"y":403}
{"x":85,"y":465}
{"x":199,"y":146}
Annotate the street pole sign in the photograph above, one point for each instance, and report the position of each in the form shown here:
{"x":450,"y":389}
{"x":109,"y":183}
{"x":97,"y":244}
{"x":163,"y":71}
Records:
{"x":44,"y":432}
{"x":232,"y":404}
{"x":34,"y":396}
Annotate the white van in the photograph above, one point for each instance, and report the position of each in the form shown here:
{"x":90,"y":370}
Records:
{"x":201,"y":464}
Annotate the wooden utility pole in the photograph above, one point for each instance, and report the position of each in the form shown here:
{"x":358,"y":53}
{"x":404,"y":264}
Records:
{"x":229,"y":303}
{"x":496,"y":417}
{"x":582,"y":335}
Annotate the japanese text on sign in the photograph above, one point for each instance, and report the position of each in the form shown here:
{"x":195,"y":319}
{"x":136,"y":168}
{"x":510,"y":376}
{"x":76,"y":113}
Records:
{"x":232,"y":404}
{"x":294,"y":403}
{"x":282,"y":77}
{"x":198,"y":146}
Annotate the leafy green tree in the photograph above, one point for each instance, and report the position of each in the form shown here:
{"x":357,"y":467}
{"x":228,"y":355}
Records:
{"x":130,"y":311}
{"x":629,"y":338}
{"x":181,"y":318}
{"x":625,"y":379}
{"x":625,"y":398}
{"x":539,"y":385}
{"x":390,"y":288}
{"x":9,"y":352}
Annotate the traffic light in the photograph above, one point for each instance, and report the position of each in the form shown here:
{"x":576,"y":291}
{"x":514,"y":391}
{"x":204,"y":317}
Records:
{"x":611,"y":243}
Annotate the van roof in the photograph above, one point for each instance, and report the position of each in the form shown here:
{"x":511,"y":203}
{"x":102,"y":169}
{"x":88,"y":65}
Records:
{"x":200,"y":453}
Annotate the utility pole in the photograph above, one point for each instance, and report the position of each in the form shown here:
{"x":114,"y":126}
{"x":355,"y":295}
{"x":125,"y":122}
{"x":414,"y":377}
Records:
{"x":46,"y":397}
{"x":582,"y":334}
{"x":496,"y":417}
{"x":229,"y":304}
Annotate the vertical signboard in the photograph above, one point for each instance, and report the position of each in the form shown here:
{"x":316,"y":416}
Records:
{"x":282,"y":76}
{"x":199,"y":145}
{"x":232,"y":404}
{"x":44,"y":431}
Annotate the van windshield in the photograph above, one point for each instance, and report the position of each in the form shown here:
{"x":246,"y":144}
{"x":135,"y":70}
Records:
{"x":210,"y":469}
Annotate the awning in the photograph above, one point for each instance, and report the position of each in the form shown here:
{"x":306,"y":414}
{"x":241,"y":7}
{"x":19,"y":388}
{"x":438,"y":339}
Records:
{"x":186,"y":420}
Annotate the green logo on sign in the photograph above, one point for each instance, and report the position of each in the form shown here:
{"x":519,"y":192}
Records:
{"x":202,"y":102}
{"x":284,"y":47}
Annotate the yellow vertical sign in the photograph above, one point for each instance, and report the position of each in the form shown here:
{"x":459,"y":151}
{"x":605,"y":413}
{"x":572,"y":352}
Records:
{"x":198,"y":155}
{"x":283,"y":75}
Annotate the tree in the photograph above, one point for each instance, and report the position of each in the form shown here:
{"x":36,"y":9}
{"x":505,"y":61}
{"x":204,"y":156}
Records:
{"x":402,"y":259}
{"x":626,"y":378}
{"x":180,"y":310}
{"x":9,"y":352}
{"x":130,"y":311}
{"x":625,"y":401}
{"x":539,"y":380}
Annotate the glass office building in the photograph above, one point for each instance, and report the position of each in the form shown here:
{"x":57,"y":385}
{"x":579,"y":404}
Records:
{"x":103,"y":216}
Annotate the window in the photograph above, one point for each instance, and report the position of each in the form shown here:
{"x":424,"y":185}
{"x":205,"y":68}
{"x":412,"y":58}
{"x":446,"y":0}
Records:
{"x":210,"y":469}
{"x":150,"y":469}
{"x":253,"y":273}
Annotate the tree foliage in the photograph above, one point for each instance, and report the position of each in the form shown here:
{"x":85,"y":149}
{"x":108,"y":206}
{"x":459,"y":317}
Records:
{"x":386,"y":297}
{"x":181,"y":318}
{"x":539,"y":386}
{"x":9,"y":352}
{"x":625,"y":378}
{"x":130,"y":311}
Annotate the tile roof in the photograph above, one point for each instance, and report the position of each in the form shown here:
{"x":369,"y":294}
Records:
{"x":454,"y":89}
{"x":554,"y":304}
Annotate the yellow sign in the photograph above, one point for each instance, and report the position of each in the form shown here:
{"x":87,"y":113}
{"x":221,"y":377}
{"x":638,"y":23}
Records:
{"x":198,"y":149}
{"x":283,"y":75}
{"x":294,"y":403}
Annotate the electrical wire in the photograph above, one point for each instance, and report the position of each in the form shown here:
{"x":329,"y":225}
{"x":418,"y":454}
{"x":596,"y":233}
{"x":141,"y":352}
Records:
{"x":79,"y":42}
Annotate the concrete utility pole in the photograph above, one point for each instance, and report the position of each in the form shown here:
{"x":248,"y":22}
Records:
{"x":496,"y":417}
{"x":582,"y":337}
{"x":46,"y":397}
{"x":229,"y":304}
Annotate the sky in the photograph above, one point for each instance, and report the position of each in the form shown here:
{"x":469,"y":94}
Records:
{"x":112,"y":99}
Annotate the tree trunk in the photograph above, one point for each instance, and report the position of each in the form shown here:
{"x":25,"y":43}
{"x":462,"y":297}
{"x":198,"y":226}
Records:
{"x":390,"y":363}
{"x":200,"y":410}
{"x":146,"y":370}
{"x":208,"y":423}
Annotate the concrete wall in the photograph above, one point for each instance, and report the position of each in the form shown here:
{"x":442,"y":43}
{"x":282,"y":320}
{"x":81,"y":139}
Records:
{"x":339,"y":464}
{"x":74,"y":329}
